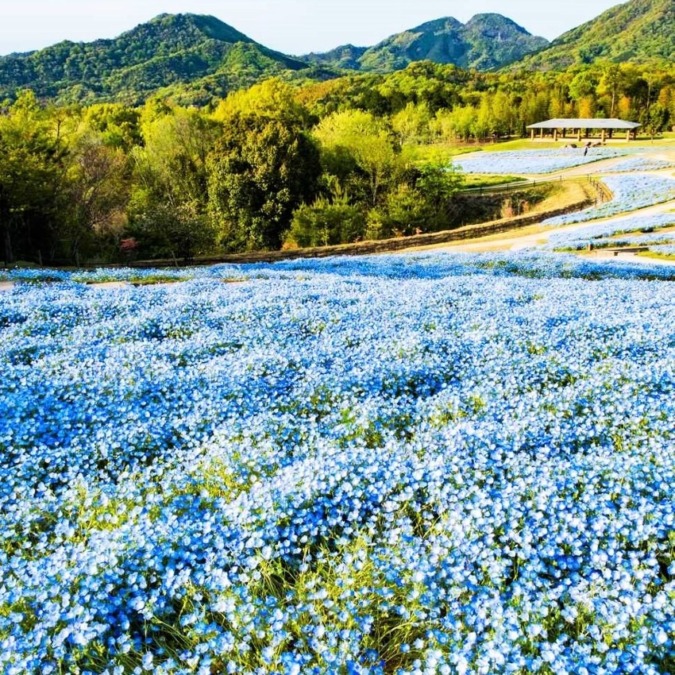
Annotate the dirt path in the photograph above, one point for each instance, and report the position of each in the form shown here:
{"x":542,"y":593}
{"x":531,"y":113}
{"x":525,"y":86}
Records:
{"x":110,"y":284}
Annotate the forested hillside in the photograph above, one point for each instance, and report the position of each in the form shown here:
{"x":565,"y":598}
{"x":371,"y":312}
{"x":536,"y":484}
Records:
{"x":175,"y":164}
{"x":486,"y":42}
{"x":639,"y":31}
{"x":197,"y":53}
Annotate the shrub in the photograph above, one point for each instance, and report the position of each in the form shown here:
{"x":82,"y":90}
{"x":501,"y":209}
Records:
{"x":325,"y":223}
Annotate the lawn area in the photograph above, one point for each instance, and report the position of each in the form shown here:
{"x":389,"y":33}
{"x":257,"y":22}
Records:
{"x":488,"y":180}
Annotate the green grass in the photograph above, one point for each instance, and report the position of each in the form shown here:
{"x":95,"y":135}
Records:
{"x":153,"y":280}
{"x":488,"y":180}
{"x":524,"y":144}
{"x":657,"y":256}
{"x":438,"y":152}
{"x":135,"y":281}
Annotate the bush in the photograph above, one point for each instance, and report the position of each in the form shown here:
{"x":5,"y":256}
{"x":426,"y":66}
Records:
{"x":406,"y":211}
{"x":163,"y":230}
{"x":326,"y":223}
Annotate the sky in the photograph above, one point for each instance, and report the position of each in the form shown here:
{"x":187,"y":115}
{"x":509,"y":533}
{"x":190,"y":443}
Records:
{"x":290,"y":26}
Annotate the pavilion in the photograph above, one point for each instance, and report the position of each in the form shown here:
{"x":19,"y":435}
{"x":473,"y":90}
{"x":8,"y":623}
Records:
{"x":577,"y":127}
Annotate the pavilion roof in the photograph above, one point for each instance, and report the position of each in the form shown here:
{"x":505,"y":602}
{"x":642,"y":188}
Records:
{"x":589,"y":123}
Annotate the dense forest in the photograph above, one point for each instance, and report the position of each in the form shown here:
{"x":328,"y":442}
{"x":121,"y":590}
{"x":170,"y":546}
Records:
{"x":279,"y":164}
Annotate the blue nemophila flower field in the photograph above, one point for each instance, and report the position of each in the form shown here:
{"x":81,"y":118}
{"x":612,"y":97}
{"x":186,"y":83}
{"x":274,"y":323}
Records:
{"x":637,"y":226}
{"x":636,"y":164}
{"x":535,"y":161}
{"x":400,"y":464}
{"x":668,"y":250}
{"x":571,"y":243}
{"x":630,"y":192}
{"x":626,"y":241}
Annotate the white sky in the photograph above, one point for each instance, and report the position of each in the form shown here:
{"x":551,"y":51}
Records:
{"x":290,"y":26}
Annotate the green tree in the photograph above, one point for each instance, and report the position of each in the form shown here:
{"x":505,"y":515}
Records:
{"x":583,"y":84}
{"x":656,"y":119}
{"x":610,"y":85}
{"x":272,"y":99}
{"x":170,"y":198}
{"x":326,"y":222}
{"x":367,"y":140}
{"x":98,"y":190}
{"x":176,"y":231}
{"x":118,"y":125}
{"x":32,"y":178}
{"x":411,"y":125}
{"x":421,"y":203}
{"x":261,"y":171}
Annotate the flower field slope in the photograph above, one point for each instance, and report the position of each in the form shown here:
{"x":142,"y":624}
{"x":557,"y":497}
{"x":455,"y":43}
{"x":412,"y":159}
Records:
{"x":637,"y":164}
{"x":636,"y":228}
{"x":668,"y":251}
{"x":400,"y":464}
{"x":631,"y":192}
{"x":534,"y":161}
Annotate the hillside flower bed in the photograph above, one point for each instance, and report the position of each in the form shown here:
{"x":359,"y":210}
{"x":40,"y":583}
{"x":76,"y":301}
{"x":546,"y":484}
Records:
{"x":634,"y":164}
{"x":630,"y":224}
{"x":668,"y":251}
{"x":630,"y":193}
{"x":644,"y":240}
{"x":632,"y":231}
{"x":534,"y":161}
{"x":95,"y":276}
{"x":400,"y":464}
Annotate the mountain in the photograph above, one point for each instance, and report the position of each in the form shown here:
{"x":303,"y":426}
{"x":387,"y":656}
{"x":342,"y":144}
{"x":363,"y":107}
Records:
{"x":346,"y":57}
{"x":486,"y":42}
{"x":196,"y":58}
{"x":198,"y":51}
{"x":638,"y":31}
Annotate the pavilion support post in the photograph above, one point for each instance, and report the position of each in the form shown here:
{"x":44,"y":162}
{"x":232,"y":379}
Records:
{"x":604,"y":135}
{"x":578,"y":135}
{"x":555,"y":134}
{"x":531,"y":134}
{"x":541,"y":133}
{"x":628,"y":136}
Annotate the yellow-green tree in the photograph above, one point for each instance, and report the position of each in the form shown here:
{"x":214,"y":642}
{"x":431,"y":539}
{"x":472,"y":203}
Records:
{"x":367,"y":140}
{"x":32,"y":180}
{"x":170,"y":196}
